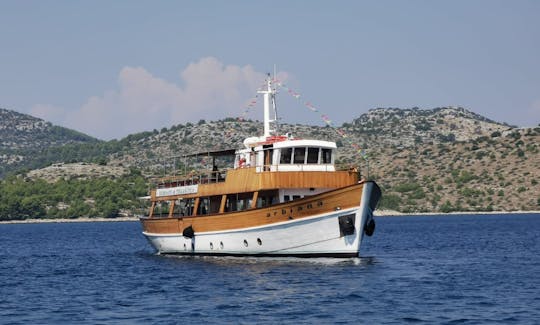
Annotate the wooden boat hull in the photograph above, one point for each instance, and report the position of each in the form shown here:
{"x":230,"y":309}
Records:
{"x":330,"y":224}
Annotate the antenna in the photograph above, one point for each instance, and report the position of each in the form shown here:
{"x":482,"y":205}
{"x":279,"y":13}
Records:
{"x":274,"y":106}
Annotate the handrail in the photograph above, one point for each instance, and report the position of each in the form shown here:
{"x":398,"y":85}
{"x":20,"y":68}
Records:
{"x":218,"y":176}
{"x":193,"y":179}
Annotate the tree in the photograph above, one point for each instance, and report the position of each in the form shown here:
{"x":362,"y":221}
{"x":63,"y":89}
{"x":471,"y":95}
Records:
{"x":447,"y":207}
{"x":390,"y":201}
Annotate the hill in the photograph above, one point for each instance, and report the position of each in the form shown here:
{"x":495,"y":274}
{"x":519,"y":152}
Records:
{"x":23,"y":137}
{"x":22,"y":131}
{"x":438,"y":160}
{"x":377,"y":129}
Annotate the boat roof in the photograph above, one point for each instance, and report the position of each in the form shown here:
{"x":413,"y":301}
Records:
{"x":218,"y":153}
{"x":305,"y":143}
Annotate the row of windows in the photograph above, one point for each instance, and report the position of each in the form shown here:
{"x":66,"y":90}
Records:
{"x":309,"y":155}
{"x":210,"y":205}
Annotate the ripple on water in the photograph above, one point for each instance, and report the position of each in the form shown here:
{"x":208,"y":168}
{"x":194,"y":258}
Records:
{"x":445,"y":270}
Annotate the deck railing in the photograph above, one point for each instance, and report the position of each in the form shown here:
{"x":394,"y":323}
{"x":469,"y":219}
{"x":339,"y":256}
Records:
{"x":218,"y":176}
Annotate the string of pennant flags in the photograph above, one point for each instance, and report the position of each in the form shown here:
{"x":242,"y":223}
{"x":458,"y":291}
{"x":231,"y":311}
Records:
{"x":251,"y":103}
{"x":324,"y":118}
{"x":248,"y":107}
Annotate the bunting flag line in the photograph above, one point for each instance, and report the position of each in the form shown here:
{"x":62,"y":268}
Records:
{"x":251,"y":104}
{"x":325,"y":119}
{"x":311,"y":107}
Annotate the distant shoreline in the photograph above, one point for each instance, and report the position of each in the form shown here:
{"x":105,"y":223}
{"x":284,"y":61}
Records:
{"x":378,"y":213}
{"x":119,"y":219}
{"x":392,"y":213}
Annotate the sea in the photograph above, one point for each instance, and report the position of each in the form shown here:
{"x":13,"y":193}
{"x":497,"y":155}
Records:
{"x":458,"y":269}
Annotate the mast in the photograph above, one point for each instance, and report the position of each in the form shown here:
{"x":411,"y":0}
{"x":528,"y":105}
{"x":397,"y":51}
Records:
{"x":269,"y":103}
{"x":276,"y":122}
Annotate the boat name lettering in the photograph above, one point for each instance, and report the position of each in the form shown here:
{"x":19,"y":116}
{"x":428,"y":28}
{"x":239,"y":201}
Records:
{"x":190,"y":189}
{"x":299,"y":208}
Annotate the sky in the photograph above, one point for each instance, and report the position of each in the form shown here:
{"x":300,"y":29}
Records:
{"x":112,"y":68}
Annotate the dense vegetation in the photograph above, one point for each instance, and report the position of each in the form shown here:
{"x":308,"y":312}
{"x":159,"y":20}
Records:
{"x":22,"y":198}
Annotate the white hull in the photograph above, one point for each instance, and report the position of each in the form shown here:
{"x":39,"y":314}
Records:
{"x":319,"y":235}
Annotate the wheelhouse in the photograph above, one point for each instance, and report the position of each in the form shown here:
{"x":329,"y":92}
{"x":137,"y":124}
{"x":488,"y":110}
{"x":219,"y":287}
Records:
{"x":288,"y":155}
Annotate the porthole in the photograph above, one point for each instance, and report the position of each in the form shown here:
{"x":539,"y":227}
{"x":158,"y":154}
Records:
{"x":185,"y":247}
{"x":259,"y":241}
{"x":221,"y":244}
{"x":211,"y":246}
{"x":245,"y":243}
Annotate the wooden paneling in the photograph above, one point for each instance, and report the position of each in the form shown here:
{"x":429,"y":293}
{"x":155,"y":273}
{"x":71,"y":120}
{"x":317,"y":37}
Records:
{"x":248,"y":180}
{"x":163,"y":226}
{"x":330,"y":201}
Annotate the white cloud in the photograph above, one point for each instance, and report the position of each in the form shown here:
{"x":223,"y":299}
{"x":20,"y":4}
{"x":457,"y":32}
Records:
{"x":142,"y":102}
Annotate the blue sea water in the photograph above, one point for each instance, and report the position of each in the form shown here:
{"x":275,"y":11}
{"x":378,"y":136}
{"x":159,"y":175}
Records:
{"x":472,"y":269}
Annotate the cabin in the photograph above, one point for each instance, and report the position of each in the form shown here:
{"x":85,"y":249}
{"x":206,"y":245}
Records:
{"x":267,"y":171}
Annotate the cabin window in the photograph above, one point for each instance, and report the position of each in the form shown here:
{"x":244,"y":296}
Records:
{"x":267,"y":198}
{"x":286,"y":155}
{"x":286,"y":198}
{"x":186,"y":207}
{"x":313,"y":156}
{"x":214,"y":204}
{"x":178,"y":206}
{"x":230,"y":204}
{"x":299,"y":155}
{"x":161,"y":209}
{"x":204,"y":204}
{"x":238,"y":202}
{"x":327,"y":156}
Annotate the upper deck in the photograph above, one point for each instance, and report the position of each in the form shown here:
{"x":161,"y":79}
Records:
{"x":249,"y":179}
{"x":270,"y":162}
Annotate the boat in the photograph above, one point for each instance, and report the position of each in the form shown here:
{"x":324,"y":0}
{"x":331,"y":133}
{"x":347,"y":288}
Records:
{"x":281,"y":196}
